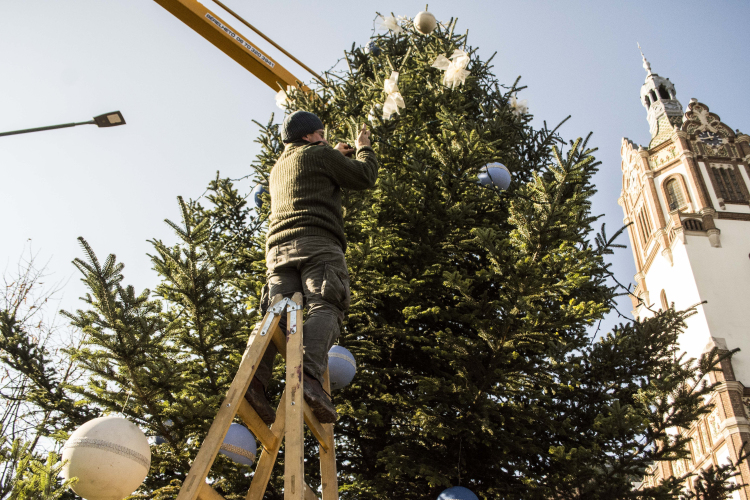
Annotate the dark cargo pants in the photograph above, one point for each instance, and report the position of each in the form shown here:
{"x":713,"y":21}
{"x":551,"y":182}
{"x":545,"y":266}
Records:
{"x":315,"y":266}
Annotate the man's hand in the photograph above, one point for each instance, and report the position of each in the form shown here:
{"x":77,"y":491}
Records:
{"x":344,"y":149}
{"x":364,"y":137}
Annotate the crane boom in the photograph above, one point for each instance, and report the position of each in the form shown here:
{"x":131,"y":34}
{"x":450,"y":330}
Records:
{"x":228,"y":40}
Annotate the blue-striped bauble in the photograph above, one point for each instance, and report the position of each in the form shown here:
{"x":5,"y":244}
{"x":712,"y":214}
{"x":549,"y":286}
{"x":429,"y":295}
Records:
{"x":457,"y":493}
{"x":495,"y":174}
{"x":341,"y":367}
{"x":257,"y":194}
{"x":239,"y":445}
{"x":372,"y":48}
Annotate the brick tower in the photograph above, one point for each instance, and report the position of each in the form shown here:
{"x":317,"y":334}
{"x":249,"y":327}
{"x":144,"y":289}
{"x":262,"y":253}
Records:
{"x":686,"y":195}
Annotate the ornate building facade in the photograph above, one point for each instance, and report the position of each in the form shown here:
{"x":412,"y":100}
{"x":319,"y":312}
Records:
{"x":687,"y":195}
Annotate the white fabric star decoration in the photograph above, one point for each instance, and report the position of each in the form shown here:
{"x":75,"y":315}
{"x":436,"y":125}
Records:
{"x":455,"y":68}
{"x":282,"y":99}
{"x":518,"y":107}
{"x":394,"y":100}
{"x":389,"y":23}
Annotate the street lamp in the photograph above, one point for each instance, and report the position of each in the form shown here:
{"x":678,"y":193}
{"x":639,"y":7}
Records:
{"x":112,"y":119}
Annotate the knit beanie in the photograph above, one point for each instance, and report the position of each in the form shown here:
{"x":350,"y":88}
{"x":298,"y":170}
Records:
{"x":299,"y":124}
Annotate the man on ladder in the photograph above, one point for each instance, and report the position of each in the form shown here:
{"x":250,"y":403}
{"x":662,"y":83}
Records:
{"x":305,"y":247}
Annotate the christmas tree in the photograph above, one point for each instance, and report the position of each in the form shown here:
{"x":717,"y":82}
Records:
{"x":473,"y":316}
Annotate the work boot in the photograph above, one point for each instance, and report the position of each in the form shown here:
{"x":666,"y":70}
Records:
{"x":319,"y":401}
{"x":256,"y":396}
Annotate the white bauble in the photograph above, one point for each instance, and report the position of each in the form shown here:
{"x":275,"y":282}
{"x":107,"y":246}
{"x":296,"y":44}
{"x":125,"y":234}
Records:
{"x":425,"y":22}
{"x":110,"y":456}
{"x":341,"y":367}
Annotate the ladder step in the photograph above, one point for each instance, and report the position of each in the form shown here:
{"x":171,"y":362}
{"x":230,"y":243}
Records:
{"x":253,"y":422}
{"x":208,"y":493}
{"x":321,"y":434}
{"x":310,"y":494}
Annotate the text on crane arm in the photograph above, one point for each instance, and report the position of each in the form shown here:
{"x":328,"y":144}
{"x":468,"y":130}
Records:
{"x":240,"y":40}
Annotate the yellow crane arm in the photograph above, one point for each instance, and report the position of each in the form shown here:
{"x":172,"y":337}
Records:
{"x":228,"y":40}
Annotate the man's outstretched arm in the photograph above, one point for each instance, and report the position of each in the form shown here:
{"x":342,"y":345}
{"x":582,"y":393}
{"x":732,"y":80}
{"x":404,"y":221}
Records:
{"x":359,"y":173}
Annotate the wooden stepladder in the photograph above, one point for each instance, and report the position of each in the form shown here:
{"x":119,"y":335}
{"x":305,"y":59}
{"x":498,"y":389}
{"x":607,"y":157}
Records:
{"x":291,"y":416}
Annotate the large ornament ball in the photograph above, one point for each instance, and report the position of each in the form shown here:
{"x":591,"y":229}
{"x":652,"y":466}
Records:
{"x":496,"y":174}
{"x":425,"y":22}
{"x":457,"y":493}
{"x":110,"y":456}
{"x":341,"y":367}
{"x":372,"y":48}
{"x":258,"y":193}
{"x":239,"y":445}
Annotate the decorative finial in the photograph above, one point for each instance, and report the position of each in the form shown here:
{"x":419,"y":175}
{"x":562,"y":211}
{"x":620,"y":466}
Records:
{"x":646,"y":64}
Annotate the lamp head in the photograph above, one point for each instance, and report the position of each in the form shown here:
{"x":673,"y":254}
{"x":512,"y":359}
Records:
{"x":112,"y":119}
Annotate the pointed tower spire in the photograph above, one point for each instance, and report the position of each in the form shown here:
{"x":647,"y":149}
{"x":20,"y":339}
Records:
{"x":646,"y":64}
{"x":659,"y":97}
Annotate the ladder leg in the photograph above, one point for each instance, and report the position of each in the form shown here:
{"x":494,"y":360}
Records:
{"x":268,"y":455}
{"x":259,"y":340}
{"x":294,"y":449}
{"x":328,"y":476}
{"x":290,"y":418}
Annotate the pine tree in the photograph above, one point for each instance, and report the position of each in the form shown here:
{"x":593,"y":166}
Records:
{"x":472,"y":320}
{"x":472,"y":308}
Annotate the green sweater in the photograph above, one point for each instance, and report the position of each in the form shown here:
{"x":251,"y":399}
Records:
{"x":305,"y":187}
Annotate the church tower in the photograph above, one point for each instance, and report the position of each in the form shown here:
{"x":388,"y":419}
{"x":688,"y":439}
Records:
{"x":686,"y":197}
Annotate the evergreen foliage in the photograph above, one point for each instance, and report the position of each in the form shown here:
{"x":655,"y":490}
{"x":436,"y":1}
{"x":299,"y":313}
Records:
{"x":34,"y":404}
{"x":718,"y":484}
{"x":472,"y":320}
{"x":34,"y":479}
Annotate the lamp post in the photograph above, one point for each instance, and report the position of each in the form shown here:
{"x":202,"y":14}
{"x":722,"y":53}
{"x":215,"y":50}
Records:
{"x":112,"y":119}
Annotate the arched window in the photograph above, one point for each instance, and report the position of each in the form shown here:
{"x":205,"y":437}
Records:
{"x":647,"y":102}
{"x":728,"y":184}
{"x":664,"y":303}
{"x":663,"y":94}
{"x":644,"y":224}
{"x":675,"y":197}
{"x":653,"y":96}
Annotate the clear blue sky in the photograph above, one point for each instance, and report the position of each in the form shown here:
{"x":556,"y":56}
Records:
{"x":190,"y":108}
